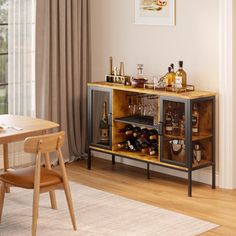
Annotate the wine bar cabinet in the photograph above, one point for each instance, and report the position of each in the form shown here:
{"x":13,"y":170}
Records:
{"x":168,"y":129}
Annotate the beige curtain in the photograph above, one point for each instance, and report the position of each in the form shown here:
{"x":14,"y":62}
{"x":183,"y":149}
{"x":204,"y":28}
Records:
{"x":62,"y":68}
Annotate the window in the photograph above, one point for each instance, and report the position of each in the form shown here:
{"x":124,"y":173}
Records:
{"x":3,"y":57}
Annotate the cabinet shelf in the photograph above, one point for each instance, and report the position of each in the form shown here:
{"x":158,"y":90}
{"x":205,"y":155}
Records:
{"x":200,"y":137}
{"x":143,"y":121}
{"x":140,"y":157}
{"x":203,"y":163}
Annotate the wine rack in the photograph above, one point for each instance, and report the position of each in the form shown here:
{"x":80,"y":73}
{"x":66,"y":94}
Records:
{"x":185,"y":125}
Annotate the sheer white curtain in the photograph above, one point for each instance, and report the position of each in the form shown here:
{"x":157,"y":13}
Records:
{"x":21,"y":68}
{"x":21,"y":57}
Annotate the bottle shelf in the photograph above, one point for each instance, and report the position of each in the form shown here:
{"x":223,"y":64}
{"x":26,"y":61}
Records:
{"x":201,"y":136}
{"x":142,"y":121}
{"x":139,"y":156}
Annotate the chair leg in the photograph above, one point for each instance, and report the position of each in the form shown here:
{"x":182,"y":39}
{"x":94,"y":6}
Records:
{"x":67,"y":189}
{"x":36,"y":191}
{"x":52,"y":192}
{"x":2,"y":196}
{"x":35,"y":210}
{"x":52,"y":195}
{"x":70,"y":204}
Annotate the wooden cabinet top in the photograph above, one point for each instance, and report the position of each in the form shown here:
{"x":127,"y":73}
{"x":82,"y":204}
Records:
{"x":184,"y":95}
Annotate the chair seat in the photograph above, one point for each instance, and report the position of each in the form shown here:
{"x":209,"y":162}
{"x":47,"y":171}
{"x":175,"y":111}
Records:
{"x":25,"y":177}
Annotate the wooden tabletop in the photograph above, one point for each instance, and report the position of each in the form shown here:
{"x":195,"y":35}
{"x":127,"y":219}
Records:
{"x":185,"y":95}
{"x":28,"y":126}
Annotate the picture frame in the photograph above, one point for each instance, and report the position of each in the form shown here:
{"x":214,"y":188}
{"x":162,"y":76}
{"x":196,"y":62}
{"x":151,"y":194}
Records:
{"x":155,"y":12}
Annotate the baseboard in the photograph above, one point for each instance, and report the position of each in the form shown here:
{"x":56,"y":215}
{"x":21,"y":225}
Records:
{"x":202,"y":175}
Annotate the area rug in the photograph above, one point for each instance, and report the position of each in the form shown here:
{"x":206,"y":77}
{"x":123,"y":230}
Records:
{"x":98,"y":213}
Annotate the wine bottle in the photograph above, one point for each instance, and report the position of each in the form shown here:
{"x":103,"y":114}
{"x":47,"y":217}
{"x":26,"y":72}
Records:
{"x":195,"y":120}
{"x":145,"y":133}
{"x":168,"y":119}
{"x":139,"y":143}
{"x":123,"y":145}
{"x":180,"y":77}
{"x":103,"y":126}
{"x":145,"y":148}
{"x":128,"y":130}
{"x":153,"y":134}
{"x":136,"y":131}
{"x":128,"y":145}
{"x":153,"y":149}
{"x":131,"y":144}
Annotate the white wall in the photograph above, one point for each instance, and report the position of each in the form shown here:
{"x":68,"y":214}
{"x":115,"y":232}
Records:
{"x":194,"y":39}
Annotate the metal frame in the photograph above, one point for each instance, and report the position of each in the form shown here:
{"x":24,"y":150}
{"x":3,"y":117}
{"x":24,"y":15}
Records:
{"x":188,"y":104}
{"x":188,"y":137}
{"x":171,"y":99}
{"x":91,"y":89}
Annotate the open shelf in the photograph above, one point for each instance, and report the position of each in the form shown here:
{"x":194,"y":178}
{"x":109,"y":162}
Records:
{"x":143,"y":121}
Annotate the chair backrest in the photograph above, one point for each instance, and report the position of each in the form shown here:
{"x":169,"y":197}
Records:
{"x":44,"y":143}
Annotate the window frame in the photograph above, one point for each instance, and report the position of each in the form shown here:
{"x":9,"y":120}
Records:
{"x":4,"y":54}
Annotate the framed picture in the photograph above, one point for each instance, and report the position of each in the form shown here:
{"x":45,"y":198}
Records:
{"x":155,"y":12}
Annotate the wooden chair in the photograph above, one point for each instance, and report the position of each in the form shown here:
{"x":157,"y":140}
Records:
{"x":38,"y":178}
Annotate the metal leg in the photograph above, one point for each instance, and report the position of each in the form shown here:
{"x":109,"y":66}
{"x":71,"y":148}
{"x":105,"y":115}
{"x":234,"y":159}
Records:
{"x":190,"y":183}
{"x":148,"y":171}
{"x":89,"y":159}
{"x":213,"y":176}
{"x":113,"y":159}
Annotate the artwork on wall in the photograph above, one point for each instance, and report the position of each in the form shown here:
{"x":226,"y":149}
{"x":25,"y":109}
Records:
{"x":155,"y":12}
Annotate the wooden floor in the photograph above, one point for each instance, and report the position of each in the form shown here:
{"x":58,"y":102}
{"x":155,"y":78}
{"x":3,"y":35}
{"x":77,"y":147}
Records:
{"x":217,"y":206}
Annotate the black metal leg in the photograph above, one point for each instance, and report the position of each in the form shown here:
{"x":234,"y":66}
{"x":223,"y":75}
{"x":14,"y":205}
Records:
{"x":190,"y":183}
{"x":89,"y":160}
{"x":148,"y":171}
{"x":113,"y":159}
{"x":213,"y":176}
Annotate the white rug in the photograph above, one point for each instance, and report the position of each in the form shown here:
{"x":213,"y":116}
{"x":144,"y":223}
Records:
{"x":98,"y":213}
